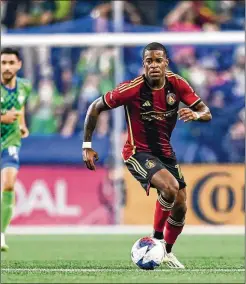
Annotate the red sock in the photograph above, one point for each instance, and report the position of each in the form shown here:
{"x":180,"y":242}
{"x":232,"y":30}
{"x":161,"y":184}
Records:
{"x":172,"y":231}
{"x":162,"y":211}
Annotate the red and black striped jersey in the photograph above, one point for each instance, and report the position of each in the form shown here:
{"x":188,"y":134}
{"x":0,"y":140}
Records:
{"x":151,"y":114}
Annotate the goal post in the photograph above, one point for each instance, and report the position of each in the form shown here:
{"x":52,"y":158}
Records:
{"x":123,"y":39}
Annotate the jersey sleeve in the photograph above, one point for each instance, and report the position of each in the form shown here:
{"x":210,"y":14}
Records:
{"x":118,"y":97}
{"x":187,"y":94}
{"x":28,"y":88}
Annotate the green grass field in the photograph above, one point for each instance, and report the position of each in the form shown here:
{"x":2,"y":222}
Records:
{"x":106,"y":259}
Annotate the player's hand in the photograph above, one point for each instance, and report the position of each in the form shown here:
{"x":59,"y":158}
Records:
{"x":186,"y":114}
{"x":24,"y":131}
{"x":89,"y":155}
{"x":10,"y":116}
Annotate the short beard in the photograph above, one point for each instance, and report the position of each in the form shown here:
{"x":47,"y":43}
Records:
{"x":7,"y":80}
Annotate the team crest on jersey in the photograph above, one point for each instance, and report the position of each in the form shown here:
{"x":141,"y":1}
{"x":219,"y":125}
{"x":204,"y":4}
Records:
{"x":150,"y":164}
{"x":171,"y":99}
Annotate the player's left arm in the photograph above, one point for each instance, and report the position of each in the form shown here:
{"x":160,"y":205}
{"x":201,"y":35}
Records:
{"x":23,"y":128}
{"x":196,"y":110}
{"x":22,"y":121}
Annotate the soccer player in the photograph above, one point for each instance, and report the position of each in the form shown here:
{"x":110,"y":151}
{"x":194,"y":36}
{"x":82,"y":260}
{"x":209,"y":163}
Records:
{"x":151,"y":103}
{"x":14,"y":94}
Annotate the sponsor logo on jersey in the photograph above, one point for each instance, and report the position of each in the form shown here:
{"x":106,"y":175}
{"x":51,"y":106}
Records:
{"x":154,"y":115}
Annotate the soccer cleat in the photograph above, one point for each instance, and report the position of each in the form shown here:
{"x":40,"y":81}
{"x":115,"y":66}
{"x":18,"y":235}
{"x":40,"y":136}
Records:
{"x":164,"y":246}
{"x":4,"y":247}
{"x":172,"y":261}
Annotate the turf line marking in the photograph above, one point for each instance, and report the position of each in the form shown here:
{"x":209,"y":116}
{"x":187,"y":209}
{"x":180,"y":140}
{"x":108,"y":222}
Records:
{"x":116,"y":270}
{"x":121,"y":229}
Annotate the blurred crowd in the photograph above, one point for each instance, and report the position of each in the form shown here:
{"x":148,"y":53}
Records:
{"x":215,"y":72}
{"x":172,"y":15}
{"x":67,"y":80}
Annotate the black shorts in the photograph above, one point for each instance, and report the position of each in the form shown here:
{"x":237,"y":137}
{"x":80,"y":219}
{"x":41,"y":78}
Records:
{"x":144,"y":165}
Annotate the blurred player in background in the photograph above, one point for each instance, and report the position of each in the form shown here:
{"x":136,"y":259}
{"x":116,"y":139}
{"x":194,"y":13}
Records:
{"x":151,"y":104}
{"x":14,"y":94}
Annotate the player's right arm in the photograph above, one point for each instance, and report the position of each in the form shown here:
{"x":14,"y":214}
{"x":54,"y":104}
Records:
{"x":92,"y":115}
{"x":113,"y":99}
{"x":10,"y":116}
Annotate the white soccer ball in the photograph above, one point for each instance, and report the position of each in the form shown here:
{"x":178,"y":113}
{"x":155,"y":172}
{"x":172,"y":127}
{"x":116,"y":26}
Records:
{"x":147,"y":253}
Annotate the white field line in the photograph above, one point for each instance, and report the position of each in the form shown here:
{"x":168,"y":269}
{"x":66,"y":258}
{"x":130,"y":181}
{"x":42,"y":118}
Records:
{"x":50,"y":270}
{"x":120,"y":229}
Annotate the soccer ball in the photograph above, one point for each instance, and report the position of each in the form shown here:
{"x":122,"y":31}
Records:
{"x":147,"y":253}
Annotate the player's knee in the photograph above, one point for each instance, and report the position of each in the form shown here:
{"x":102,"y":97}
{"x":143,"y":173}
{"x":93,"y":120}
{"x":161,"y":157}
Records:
{"x":173,"y":188}
{"x":170,"y":190}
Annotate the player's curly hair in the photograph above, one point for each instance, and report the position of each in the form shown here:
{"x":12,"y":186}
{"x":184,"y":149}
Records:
{"x":11,"y":50}
{"x":155,"y":46}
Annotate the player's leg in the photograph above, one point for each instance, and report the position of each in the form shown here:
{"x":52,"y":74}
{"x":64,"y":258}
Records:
{"x":173,"y":228}
{"x":176,"y":220}
{"x":9,"y":171}
{"x":8,"y":178}
{"x":174,"y":171}
{"x":178,"y":212}
{"x":167,"y":187}
{"x":149,"y":170}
